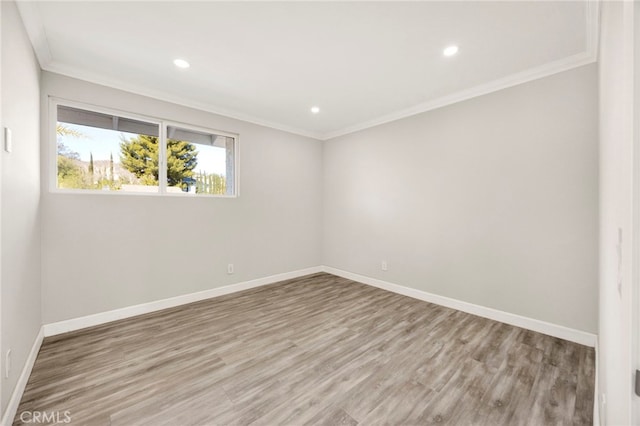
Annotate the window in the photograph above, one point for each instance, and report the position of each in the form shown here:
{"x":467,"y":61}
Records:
{"x":108,"y":152}
{"x":208,"y":157}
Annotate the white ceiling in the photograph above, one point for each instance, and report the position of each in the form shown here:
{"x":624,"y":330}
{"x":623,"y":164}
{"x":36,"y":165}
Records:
{"x":362,"y":63}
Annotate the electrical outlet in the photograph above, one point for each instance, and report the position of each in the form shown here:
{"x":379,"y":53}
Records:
{"x":230,"y":268}
{"x":7,"y":364}
{"x":384,"y":266}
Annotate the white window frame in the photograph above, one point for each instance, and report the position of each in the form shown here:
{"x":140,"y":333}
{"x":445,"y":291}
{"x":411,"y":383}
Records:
{"x":162,"y":152}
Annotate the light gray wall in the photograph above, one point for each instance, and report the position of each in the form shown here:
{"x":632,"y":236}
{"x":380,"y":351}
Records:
{"x":21,"y":298}
{"x":616,"y":211}
{"x":102,"y":252}
{"x":635,"y":291}
{"x":492,"y":201}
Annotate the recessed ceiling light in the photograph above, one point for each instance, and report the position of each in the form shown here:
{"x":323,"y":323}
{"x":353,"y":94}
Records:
{"x":181,"y":63}
{"x":450,"y":50}
{"x":315,"y":109}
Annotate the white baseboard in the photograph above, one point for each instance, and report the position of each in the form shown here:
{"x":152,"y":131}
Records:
{"x":597,"y":421}
{"x":566,"y":333}
{"x":145,"y":308}
{"x":577,"y":336}
{"x":16,"y":396}
{"x":52,"y":329}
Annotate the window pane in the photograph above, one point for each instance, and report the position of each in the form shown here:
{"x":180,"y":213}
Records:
{"x":105,"y":152}
{"x":199,"y":163}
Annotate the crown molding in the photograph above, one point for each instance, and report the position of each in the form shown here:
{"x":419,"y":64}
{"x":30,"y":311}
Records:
{"x":119,"y":84}
{"x":593,"y":28}
{"x":590,"y":55}
{"x":35,"y":29}
{"x":531,"y":74}
{"x":32,"y":21}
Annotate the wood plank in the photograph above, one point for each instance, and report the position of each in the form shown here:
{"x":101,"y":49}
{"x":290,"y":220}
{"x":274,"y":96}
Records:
{"x":313,"y":350}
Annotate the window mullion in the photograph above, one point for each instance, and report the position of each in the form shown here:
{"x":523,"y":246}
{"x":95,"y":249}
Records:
{"x":204,"y":161}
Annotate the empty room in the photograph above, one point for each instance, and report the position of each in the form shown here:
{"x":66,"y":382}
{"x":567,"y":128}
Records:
{"x":320,"y":213}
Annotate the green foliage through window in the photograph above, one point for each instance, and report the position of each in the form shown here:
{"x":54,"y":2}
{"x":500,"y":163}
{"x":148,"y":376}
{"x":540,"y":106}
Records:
{"x":101,"y":151}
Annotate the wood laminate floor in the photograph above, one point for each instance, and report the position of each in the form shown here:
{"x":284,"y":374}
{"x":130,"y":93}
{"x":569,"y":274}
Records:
{"x":314,"y":350}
